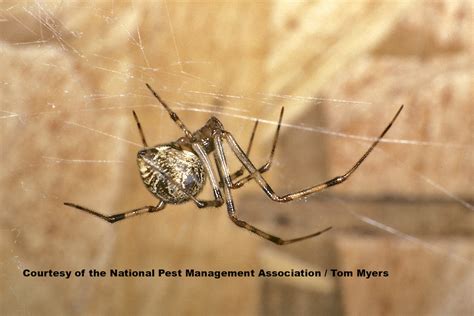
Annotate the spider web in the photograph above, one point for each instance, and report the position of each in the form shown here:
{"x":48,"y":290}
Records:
{"x":73,"y":74}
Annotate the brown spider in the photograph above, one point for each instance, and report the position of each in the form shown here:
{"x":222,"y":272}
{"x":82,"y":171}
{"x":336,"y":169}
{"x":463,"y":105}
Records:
{"x":176,"y":172}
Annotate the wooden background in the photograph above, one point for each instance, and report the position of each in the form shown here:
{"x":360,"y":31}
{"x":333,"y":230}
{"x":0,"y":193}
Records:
{"x":72,"y":72}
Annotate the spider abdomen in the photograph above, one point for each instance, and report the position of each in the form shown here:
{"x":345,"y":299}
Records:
{"x":171,"y":174}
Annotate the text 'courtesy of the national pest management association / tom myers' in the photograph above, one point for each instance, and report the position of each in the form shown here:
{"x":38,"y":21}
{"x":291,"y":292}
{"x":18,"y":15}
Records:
{"x":195,"y":273}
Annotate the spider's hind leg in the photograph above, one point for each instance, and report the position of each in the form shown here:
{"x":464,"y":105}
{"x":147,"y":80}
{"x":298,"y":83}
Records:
{"x":224,"y":173}
{"x":272,"y":238}
{"x":120,"y":216}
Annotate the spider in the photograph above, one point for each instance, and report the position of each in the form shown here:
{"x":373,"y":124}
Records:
{"x":176,"y":172}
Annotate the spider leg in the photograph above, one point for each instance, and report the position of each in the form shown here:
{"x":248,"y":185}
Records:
{"x":120,"y":216}
{"x":240,"y":172}
{"x":150,"y":209}
{"x":142,"y":135}
{"x":224,"y":173}
{"x":218,"y":200}
{"x":264,"y":168}
{"x":172,"y":114}
{"x":255,"y":174}
{"x":275,"y":239}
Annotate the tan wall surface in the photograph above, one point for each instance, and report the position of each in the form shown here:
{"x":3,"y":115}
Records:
{"x":72,"y":72}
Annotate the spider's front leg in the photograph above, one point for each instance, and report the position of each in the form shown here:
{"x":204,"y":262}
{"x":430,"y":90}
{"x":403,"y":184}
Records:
{"x":218,"y":200}
{"x":226,"y":179}
{"x":265,"y":167}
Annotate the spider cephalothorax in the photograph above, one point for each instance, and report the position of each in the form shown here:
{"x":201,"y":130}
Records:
{"x":176,"y":172}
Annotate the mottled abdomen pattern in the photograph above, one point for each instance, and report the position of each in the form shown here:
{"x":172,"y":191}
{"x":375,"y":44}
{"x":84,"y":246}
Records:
{"x":167,"y":172}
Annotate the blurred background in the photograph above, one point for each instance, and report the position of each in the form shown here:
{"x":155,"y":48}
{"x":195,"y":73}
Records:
{"x":72,"y":72}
